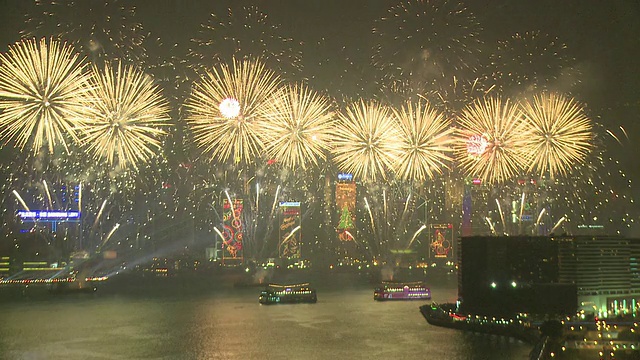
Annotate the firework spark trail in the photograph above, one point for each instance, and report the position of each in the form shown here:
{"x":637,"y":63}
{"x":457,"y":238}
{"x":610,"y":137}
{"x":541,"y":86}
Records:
{"x":385,"y":208}
{"x":257,"y":197}
{"x":275,"y":201}
{"x":624,"y":132}
{"x":267,"y":233}
{"x":560,"y":134}
{"x":296,"y":127}
{"x":220,"y":234}
{"x":521,"y":211}
{"x":415,"y":235}
{"x":505,"y":139}
{"x":562,"y":219}
{"x":504,"y":225}
{"x":128,"y":114}
{"x":493,"y":229}
{"x":237,"y":138}
{"x":24,"y":205}
{"x":426,"y":140}
{"x":350,"y":235}
{"x":366,"y":141}
{"x":286,"y":239}
{"x":403,"y":217}
{"x":80,"y":199}
{"x":95,"y":222}
{"x":106,"y":239}
{"x":373,"y":225}
{"x":233,"y":210}
{"x":406,"y":205}
{"x":42,"y":88}
{"x":257,"y":215}
{"x":384,"y":203}
{"x":46,"y":189}
{"x":352,"y":238}
{"x":540,"y":215}
{"x":614,"y":136}
{"x":538,"y":220}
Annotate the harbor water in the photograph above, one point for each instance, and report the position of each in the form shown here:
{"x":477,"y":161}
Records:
{"x":176,"y":319}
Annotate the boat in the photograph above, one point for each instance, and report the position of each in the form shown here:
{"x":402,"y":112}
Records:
{"x":402,"y":291}
{"x":444,"y":315}
{"x":288,"y":294}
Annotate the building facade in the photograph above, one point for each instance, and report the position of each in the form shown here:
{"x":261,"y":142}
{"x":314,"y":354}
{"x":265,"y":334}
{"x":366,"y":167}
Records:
{"x":549,"y":274}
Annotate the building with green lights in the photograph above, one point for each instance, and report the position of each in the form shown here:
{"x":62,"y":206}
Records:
{"x":549,"y":274}
{"x":605,"y":271}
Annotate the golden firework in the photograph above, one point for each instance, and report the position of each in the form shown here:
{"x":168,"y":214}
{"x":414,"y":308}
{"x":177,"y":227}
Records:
{"x":366,"y":140}
{"x":492,"y":140}
{"x":425,"y":142}
{"x":224,"y":109}
{"x":560,"y":134}
{"x":297,"y":127}
{"x":128,"y":113}
{"x":42,"y":88}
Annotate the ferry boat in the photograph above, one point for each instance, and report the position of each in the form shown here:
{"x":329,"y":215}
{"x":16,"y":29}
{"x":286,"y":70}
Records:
{"x":288,"y":294}
{"x":402,"y":291}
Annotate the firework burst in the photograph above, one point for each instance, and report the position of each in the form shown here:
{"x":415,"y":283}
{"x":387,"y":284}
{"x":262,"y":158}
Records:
{"x":532,"y":61}
{"x":454,"y":94}
{"x":419,"y":42}
{"x":426,"y":139}
{"x":224,"y":110}
{"x":297,"y":127}
{"x":366,"y":140}
{"x":106,"y":29}
{"x":245,"y":34}
{"x":128,"y":115}
{"x":491,"y":140}
{"x":41,"y":85}
{"x":560,"y":134}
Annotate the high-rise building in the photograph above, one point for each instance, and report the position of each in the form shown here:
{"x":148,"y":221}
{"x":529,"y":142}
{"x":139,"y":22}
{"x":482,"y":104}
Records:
{"x":512,"y":274}
{"x":549,"y":274}
{"x":605,"y":270}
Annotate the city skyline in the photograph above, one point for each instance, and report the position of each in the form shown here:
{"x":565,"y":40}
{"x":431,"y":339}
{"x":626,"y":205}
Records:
{"x":370,"y":57}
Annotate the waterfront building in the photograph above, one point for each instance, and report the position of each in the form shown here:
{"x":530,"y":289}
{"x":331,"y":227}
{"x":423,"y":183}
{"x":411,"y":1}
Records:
{"x":605,"y":271}
{"x":506,"y":275}
{"x":549,"y":274}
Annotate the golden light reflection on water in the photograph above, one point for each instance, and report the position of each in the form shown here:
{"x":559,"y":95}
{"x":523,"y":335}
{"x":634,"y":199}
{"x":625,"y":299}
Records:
{"x":178,"y":322}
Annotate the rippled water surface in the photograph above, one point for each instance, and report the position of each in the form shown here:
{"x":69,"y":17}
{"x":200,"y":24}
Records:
{"x":175,"y":320}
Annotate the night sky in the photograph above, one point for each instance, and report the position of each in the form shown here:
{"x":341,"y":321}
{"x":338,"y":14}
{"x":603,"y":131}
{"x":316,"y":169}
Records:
{"x":335,"y":38}
{"x":602,"y":35}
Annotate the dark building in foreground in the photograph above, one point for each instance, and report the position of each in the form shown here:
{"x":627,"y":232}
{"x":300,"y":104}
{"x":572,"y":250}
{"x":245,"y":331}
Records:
{"x":549,"y":275}
{"x":512,"y":274}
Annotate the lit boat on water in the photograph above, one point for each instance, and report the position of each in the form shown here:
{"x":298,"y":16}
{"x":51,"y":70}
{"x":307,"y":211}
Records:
{"x":402,"y":291}
{"x":288,"y":294}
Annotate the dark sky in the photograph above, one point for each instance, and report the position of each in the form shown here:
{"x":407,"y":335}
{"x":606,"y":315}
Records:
{"x":602,"y":34}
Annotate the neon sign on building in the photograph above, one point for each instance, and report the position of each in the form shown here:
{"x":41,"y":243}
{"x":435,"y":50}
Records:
{"x":42,"y":215}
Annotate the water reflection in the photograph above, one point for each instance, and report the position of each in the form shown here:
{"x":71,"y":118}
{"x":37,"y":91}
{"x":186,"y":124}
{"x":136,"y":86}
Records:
{"x":228,"y":323}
